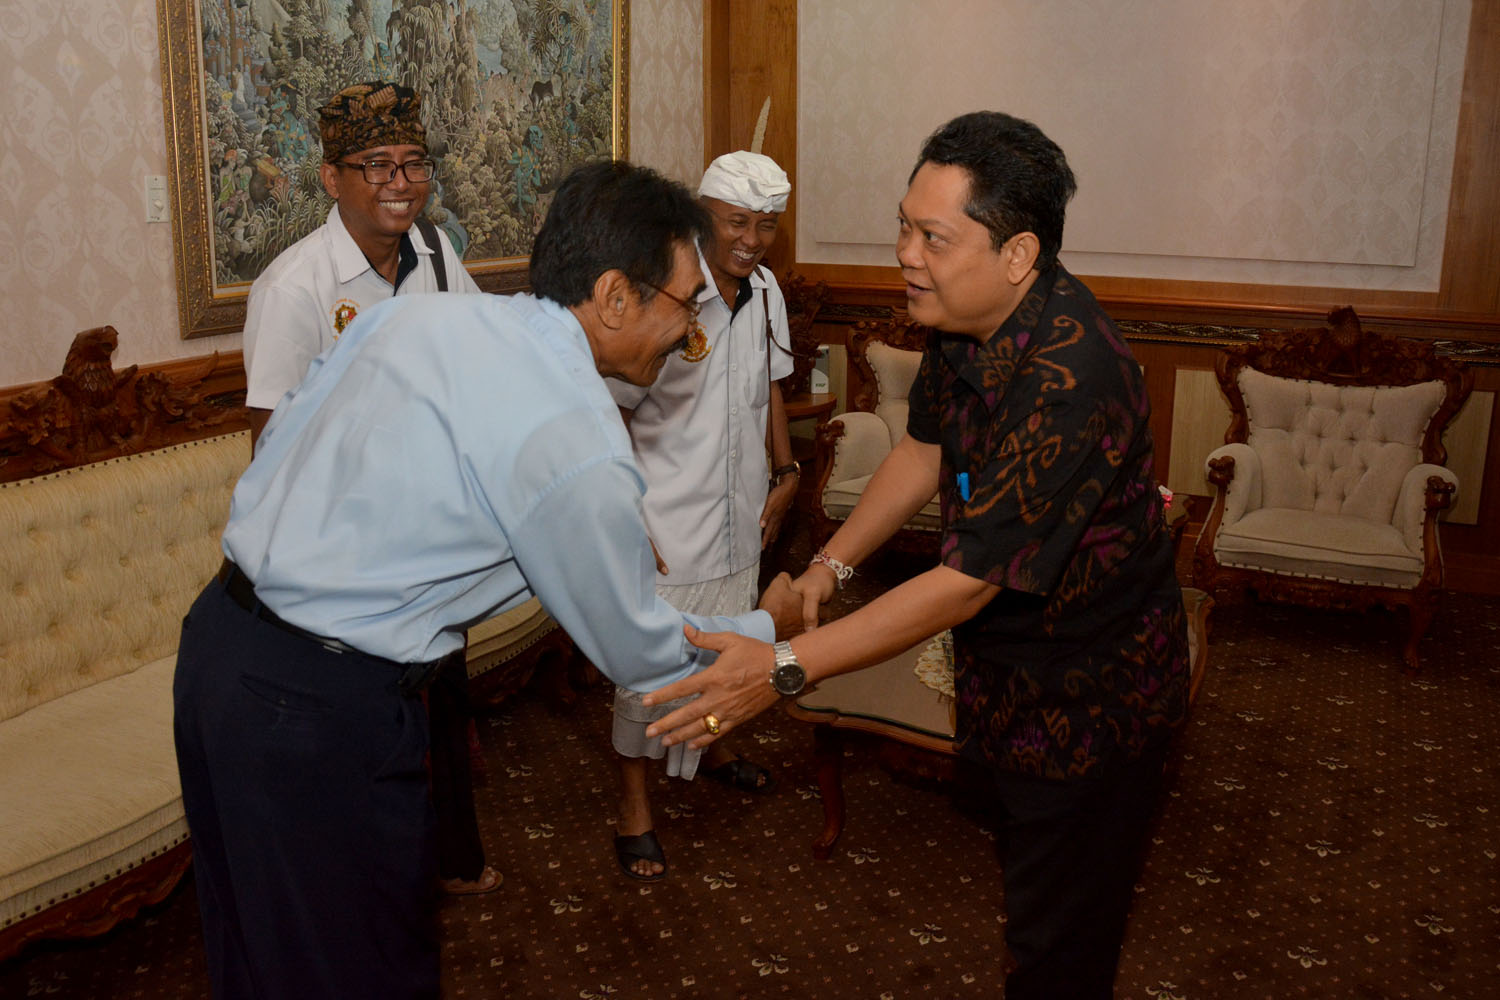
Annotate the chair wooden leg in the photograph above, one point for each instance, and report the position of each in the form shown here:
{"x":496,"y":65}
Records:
{"x":1419,"y":616}
{"x":828,"y":749}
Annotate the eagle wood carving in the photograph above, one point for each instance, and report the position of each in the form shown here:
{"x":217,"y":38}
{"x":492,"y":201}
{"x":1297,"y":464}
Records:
{"x":92,"y":412}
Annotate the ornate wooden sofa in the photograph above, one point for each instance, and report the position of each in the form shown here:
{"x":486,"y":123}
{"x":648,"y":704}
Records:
{"x":1331,"y":478}
{"x":114,"y":490}
{"x":110,"y":515}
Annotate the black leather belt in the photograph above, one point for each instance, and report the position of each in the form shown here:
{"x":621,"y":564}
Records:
{"x":414,"y":678}
{"x":240,"y":590}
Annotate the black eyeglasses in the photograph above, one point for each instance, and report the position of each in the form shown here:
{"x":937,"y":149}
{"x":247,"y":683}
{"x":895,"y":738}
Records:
{"x":693,"y":306}
{"x":379,"y":172}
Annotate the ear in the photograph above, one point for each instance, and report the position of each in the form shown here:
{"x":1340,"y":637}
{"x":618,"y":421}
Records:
{"x":612,"y":298}
{"x":1020,"y":256}
{"x":329,"y":175}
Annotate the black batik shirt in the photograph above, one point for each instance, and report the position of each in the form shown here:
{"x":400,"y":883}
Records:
{"x":1081,"y":659}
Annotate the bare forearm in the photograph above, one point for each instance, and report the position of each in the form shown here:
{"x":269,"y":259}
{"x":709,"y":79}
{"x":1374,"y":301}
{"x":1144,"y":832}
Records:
{"x":736,"y":687}
{"x":897,"y":620}
{"x":900,"y":487}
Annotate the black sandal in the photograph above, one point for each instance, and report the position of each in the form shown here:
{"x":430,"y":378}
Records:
{"x":642,"y":847}
{"x":740,"y":773}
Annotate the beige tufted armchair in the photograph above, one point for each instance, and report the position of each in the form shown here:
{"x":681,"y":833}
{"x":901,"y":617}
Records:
{"x":883,"y":362}
{"x":1331,"y":479}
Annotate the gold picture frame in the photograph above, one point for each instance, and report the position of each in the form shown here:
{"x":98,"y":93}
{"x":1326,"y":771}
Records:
{"x":514,"y":95}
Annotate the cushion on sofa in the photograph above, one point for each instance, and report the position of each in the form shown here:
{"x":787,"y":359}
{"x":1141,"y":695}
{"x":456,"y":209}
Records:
{"x":507,"y":635}
{"x":90,"y":786}
{"x":895,"y":371}
{"x":1336,"y":449}
{"x":100,"y":563}
{"x":840,"y":497}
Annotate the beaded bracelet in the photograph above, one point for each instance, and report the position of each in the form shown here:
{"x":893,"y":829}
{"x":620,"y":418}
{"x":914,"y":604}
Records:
{"x":841,"y":570}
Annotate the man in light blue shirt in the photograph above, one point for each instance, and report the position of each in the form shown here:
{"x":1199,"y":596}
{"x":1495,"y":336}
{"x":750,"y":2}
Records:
{"x":446,"y":459}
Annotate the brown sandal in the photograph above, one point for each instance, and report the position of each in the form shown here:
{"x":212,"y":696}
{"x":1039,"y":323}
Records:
{"x":488,"y":881}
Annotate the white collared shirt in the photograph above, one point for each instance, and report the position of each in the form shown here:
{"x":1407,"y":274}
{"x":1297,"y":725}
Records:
{"x":699,"y":435}
{"x":309,"y":294}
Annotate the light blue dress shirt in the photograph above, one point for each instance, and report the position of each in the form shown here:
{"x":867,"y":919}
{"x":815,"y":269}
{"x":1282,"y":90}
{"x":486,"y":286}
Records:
{"x":450,"y":456}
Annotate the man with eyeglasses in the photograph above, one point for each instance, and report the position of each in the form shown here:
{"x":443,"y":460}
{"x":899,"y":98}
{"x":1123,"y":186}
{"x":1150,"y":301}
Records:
{"x":374,"y":245}
{"x":376,"y":169}
{"x":450,"y":457}
{"x":701,"y":434}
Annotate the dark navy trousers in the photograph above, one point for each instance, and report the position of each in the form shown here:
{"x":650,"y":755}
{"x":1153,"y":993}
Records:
{"x":1071,"y":853}
{"x":307,"y":802}
{"x":460,"y":851}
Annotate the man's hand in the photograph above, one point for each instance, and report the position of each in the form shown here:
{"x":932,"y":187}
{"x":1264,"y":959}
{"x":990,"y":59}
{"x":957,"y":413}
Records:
{"x":778,"y":502}
{"x":785,"y":606}
{"x":661,"y":567}
{"x":734,"y":690}
{"x":815,"y":588}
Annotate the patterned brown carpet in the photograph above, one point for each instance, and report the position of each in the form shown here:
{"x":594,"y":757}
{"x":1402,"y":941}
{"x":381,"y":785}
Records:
{"x":1331,"y":832}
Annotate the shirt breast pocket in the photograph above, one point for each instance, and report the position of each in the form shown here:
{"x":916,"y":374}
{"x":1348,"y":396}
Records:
{"x":758,"y":386}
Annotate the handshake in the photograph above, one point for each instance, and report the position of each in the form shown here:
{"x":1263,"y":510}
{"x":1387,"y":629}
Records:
{"x":737,"y":686}
{"x":793,"y":604}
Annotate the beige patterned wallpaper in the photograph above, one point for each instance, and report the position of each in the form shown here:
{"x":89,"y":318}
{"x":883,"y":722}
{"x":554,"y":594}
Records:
{"x":83,"y":126}
{"x":1279,"y":142}
{"x":666,"y":87}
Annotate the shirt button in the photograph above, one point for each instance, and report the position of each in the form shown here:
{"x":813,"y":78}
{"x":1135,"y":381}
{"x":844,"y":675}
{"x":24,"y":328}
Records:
{"x":734,"y":367}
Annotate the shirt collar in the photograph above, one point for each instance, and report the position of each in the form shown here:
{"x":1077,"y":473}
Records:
{"x":710,"y":291}
{"x":349,"y":261}
{"x":980,"y":364}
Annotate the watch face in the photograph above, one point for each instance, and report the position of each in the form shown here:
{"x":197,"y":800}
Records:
{"x":789,"y":678}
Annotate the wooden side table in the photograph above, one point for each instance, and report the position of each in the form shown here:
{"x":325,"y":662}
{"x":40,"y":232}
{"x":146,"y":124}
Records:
{"x":818,"y":407}
{"x":914,"y":724}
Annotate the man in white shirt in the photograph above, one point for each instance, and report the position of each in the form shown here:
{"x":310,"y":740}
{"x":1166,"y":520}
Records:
{"x":701,"y":433}
{"x":373,"y":246}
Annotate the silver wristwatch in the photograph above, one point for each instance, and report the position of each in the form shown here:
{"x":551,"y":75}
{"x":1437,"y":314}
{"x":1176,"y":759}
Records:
{"x":787,"y":676}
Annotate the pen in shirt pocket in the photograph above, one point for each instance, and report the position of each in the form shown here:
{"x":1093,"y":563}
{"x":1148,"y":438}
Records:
{"x":963,"y":485}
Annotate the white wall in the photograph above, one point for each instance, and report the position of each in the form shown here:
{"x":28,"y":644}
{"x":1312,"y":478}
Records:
{"x":1287,"y":142}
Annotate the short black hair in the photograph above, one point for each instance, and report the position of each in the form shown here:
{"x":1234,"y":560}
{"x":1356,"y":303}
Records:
{"x":1019,"y":180}
{"x":612,"y":215}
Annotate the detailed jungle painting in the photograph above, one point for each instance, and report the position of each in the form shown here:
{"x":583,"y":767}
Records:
{"x":514,"y":94}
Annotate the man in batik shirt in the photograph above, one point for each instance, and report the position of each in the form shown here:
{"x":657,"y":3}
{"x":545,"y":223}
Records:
{"x":1029,"y":418}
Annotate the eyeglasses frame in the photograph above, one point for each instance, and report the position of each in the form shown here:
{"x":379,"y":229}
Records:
{"x":693,"y":306}
{"x":364,"y":168}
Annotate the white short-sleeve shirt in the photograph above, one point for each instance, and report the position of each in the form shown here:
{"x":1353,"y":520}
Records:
{"x":311,"y":292}
{"x":699,"y":434}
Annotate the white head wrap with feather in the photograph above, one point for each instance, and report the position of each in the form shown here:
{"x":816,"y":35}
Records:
{"x":749,"y":180}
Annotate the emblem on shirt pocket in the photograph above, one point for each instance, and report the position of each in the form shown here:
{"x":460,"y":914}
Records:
{"x":697,"y":344}
{"x":344,"y":312}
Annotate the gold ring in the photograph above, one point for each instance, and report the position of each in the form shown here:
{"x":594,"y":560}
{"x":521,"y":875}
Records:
{"x":711,"y":723}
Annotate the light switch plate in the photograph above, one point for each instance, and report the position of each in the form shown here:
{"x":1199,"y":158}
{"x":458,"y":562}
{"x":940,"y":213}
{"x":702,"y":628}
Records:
{"x":156,"y":198}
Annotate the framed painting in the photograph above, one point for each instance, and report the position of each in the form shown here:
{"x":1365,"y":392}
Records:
{"x":514,"y":94}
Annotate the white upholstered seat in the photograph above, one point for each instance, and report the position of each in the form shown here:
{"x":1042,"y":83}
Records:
{"x":1331,"y":480}
{"x":883,"y":362}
